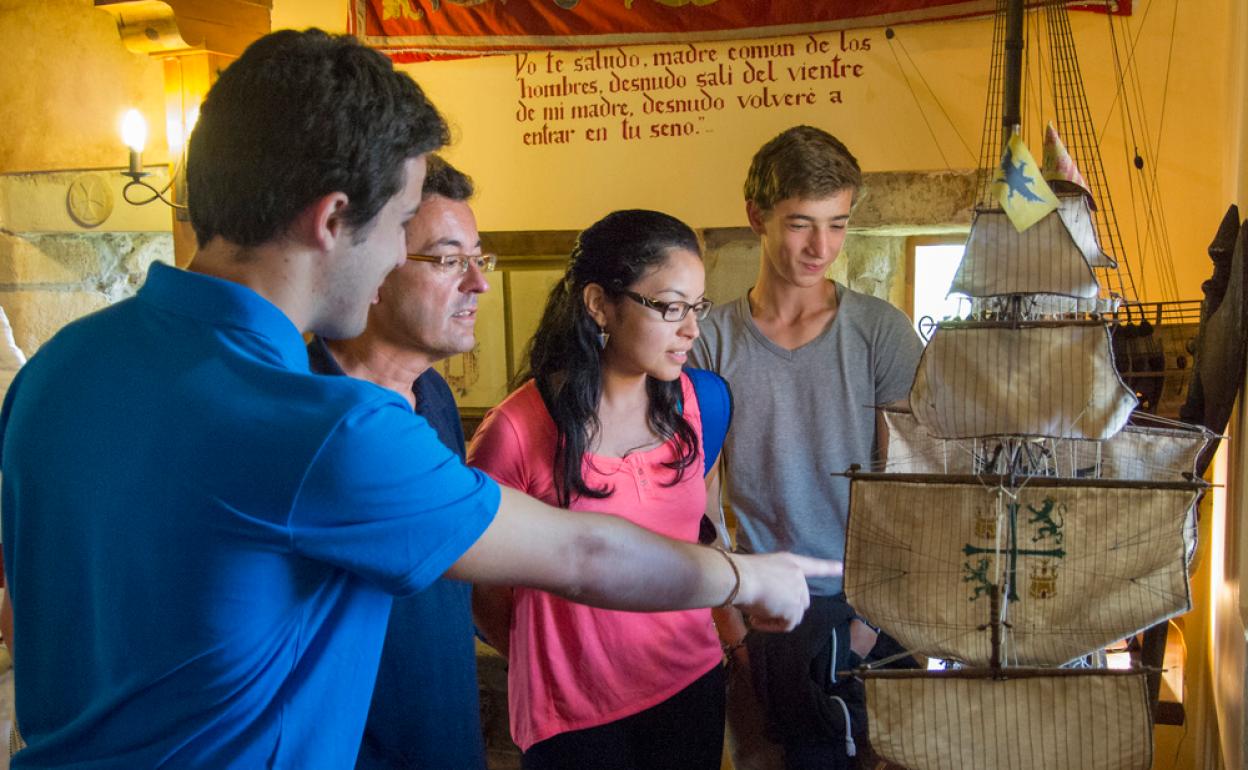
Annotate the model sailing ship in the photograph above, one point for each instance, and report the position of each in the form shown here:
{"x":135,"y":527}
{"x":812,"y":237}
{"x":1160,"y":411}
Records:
{"x":1021,"y":520}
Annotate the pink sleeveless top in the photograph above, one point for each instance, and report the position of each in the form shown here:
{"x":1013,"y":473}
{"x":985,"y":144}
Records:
{"x":572,"y":666}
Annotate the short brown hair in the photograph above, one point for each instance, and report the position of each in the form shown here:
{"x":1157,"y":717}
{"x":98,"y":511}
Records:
{"x":441,"y":178}
{"x":801,"y":162}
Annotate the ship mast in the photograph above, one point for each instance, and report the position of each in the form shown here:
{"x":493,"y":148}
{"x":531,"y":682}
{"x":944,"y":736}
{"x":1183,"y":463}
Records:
{"x":1012,"y":114}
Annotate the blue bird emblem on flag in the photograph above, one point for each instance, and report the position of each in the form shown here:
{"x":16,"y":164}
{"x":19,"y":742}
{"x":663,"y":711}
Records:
{"x":1021,"y":189}
{"x":1016,"y":178}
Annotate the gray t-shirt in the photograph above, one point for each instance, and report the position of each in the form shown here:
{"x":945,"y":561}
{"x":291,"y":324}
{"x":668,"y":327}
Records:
{"x":802,"y":415}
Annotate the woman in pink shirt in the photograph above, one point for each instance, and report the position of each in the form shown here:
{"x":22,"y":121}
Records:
{"x":606,"y":423}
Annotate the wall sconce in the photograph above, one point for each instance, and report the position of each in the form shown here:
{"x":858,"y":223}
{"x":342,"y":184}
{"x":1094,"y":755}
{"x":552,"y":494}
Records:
{"x":134,"y":135}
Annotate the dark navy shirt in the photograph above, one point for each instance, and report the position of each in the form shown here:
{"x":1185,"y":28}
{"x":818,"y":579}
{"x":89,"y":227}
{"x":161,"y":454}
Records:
{"x":425,"y":711}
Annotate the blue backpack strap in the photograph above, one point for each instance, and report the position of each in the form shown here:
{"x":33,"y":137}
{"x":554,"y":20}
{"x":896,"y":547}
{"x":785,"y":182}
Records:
{"x":715,"y":403}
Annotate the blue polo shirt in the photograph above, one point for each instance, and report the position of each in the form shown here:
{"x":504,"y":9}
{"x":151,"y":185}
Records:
{"x":425,"y":711}
{"x":202,"y":537}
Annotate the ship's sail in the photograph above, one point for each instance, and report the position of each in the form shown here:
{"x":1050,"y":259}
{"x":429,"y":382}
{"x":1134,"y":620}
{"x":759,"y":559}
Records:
{"x":1137,"y":452}
{"x":1024,"y":379}
{"x":909,"y":448}
{"x":1085,"y":719}
{"x":1081,"y":564}
{"x":1054,"y":256}
{"x":1145,"y":453}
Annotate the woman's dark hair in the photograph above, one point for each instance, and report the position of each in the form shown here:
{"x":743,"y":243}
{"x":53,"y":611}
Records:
{"x":298,"y":116}
{"x":565,"y":358}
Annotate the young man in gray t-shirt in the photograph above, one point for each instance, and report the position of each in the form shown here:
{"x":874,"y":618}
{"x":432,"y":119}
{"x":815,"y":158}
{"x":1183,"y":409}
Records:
{"x":807,"y":360}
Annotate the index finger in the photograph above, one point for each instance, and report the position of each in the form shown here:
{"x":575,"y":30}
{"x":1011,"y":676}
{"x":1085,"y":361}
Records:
{"x":812,"y":567}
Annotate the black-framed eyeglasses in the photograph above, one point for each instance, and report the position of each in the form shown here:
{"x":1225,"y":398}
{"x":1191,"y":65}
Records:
{"x":672,"y":311}
{"x":483,"y":262}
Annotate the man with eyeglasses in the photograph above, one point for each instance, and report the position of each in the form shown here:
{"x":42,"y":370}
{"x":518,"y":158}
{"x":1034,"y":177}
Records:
{"x":425,"y":710}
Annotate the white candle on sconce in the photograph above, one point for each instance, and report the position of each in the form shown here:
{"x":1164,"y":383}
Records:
{"x":134,"y":134}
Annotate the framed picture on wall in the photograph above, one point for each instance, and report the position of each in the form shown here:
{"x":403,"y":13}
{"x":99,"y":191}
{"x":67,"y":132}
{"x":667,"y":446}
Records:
{"x":527,"y":292}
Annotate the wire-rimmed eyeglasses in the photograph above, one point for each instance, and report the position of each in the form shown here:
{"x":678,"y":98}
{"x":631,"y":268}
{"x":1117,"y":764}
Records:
{"x":672,"y":311}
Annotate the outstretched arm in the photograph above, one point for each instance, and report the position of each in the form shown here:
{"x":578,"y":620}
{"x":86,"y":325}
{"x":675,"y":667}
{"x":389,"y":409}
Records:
{"x":607,"y":562}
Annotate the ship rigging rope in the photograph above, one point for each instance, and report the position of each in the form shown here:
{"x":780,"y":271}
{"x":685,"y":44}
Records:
{"x":892,"y":36}
{"x":915,"y":96}
{"x":1074,"y":121}
{"x":991,"y":137}
{"x":1130,"y":93}
{"x":1073,"y":117}
{"x":1161,"y":236}
{"x":1070,"y":104}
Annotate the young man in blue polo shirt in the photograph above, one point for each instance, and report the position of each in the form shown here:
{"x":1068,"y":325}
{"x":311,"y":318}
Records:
{"x":200,"y":536}
{"x":425,"y":710}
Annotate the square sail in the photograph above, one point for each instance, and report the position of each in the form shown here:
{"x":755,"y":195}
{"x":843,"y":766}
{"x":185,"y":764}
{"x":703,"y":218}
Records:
{"x":1084,"y":720}
{"x":985,"y":379}
{"x":1137,"y":452}
{"x":1078,"y":564}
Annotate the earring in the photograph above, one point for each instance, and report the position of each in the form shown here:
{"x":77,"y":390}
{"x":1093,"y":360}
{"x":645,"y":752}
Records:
{"x":603,"y":336}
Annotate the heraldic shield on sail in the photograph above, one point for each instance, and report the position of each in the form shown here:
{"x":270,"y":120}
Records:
{"x":1022,"y":518}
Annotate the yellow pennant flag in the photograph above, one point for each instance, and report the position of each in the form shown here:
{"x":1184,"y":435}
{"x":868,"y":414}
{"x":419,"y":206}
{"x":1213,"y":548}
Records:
{"x":1020,"y":187}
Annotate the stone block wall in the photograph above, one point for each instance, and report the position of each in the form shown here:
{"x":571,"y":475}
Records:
{"x":50,"y":279}
{"x":891,"y":207}
{"x":870,"y":263}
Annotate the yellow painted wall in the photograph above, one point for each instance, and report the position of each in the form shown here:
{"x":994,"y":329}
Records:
{"x":1194,"y":745}
{"x":1237,"y":91}
{"x":329,"y":15}
{"x":699,"y":177}
{"x":65,"y":81}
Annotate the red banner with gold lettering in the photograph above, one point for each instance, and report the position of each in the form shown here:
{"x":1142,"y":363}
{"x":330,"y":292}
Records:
{"x":413,"y":29}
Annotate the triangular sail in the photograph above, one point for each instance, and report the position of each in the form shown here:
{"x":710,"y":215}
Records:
{"x":1089,"y":720}
{"x":1054,"y":256}
{"x":979,"y":380}
{"x":1078,"y":564}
